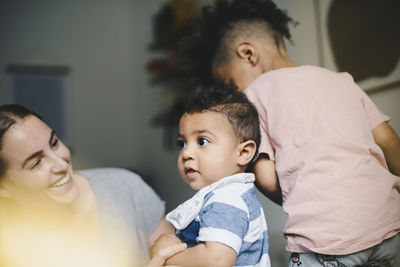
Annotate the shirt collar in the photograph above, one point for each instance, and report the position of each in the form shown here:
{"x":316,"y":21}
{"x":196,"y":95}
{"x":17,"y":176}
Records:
{"x":186,"y":212}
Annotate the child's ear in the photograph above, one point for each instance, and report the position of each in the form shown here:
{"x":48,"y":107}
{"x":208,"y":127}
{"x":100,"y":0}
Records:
{"x":248,"y":52}
{"x":247,"y":150}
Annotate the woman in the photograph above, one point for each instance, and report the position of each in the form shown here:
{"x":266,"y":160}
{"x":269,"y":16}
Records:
{"x":88,"y":218}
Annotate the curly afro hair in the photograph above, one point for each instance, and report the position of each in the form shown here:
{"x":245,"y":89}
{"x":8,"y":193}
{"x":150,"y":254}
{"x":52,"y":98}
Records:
{"x":209,"y":31}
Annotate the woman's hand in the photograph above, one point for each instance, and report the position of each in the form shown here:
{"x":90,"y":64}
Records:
{"x":162,"y":255}
{"x":163,"y":241}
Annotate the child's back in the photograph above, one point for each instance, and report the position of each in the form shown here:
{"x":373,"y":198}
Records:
{"x":338,"y":194}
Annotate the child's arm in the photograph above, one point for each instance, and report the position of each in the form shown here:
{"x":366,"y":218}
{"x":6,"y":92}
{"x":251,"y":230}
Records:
{"x":205,"y":254}
{"x":389,"y":142}
{"x":266,"y":179}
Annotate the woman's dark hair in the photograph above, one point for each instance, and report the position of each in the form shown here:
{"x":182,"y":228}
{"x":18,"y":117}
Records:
{"x":210,"y":32}
{"x":9,"y":115}
{"x":240,"y":112}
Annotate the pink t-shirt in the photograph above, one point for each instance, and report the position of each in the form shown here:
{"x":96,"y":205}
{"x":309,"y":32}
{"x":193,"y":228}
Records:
{"x":337,"y":191}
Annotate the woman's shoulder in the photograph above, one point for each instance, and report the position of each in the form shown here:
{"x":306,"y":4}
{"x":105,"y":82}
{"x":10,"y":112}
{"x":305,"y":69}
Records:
{"x":108,"y":173}
{"x":111,"y":176}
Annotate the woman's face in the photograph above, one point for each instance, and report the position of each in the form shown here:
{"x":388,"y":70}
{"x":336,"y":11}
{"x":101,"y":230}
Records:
{"x":38,"y":171}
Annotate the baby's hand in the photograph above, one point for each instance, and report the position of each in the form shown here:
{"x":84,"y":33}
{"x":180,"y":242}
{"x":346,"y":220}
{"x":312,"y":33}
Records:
{"x":162,"y":242}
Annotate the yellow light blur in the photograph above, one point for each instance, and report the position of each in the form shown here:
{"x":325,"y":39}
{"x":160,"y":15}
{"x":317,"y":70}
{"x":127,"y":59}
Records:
{"x":41,"y":244}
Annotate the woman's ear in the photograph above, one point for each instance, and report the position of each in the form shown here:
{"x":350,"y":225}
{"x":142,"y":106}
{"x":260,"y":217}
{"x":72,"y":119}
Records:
{"x":4,"y":192}
{"x":248,"y":52}
{"x":247,"y":150}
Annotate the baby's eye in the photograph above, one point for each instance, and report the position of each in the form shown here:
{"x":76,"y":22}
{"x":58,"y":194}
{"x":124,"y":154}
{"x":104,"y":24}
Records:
{"x":180,"y":144}
{"x":203,"y":141}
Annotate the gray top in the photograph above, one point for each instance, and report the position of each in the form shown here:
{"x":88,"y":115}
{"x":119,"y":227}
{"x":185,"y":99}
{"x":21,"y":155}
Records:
{"x":126,"y":202}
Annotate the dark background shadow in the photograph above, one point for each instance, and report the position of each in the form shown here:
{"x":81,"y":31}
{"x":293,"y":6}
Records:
{"x":365,"y":36}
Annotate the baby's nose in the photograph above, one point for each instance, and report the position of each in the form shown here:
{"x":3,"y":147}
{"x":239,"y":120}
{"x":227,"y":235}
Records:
{"x":187,"y":153}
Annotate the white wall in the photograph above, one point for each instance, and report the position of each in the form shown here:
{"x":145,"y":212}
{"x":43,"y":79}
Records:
{"x":110,"y":101}
{"x":96,"y":40}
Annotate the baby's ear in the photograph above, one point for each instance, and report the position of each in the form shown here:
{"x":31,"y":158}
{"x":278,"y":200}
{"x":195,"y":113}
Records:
{"x":247,"y":150}
{"x":248,"y":52}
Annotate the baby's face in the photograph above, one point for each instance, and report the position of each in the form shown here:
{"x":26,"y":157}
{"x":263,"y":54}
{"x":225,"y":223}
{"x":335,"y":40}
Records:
{"x":208,"y":149}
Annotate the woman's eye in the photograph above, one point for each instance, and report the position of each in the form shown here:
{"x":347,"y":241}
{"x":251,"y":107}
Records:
{"x":55,"y":143}
{"x":203,"y":141}
{"x":180,"y":144}
{"x":37,"y":163}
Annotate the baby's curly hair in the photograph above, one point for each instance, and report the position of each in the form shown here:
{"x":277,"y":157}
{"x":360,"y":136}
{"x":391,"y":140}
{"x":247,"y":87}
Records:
{"x":213,"y":32}
{"x":240,"y":112}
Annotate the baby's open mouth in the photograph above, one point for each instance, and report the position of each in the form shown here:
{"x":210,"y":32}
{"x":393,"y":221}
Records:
{"x":190,"y":170}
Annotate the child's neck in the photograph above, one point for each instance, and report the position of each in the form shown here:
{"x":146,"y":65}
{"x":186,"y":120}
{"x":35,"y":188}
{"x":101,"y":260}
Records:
{"x":275,"y":58}
{"x":278,"y":62}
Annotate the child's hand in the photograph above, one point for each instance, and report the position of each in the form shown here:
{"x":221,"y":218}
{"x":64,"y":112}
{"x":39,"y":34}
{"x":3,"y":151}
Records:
{"x":162,"y":242}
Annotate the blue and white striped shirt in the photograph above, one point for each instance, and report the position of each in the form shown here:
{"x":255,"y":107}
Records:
{"x":228,"y":212}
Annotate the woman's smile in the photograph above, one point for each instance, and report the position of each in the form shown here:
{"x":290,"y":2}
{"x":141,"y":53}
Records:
{"x":61,"y":182}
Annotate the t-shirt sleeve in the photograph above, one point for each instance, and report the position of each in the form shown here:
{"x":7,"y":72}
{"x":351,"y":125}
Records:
{"x":266,"y":147}
{"x":223,"y":223}
{"x":151,"y":208}
{"x":374,"y":115}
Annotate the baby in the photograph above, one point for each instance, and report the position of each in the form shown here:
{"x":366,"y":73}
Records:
{"x":223,"y":224}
